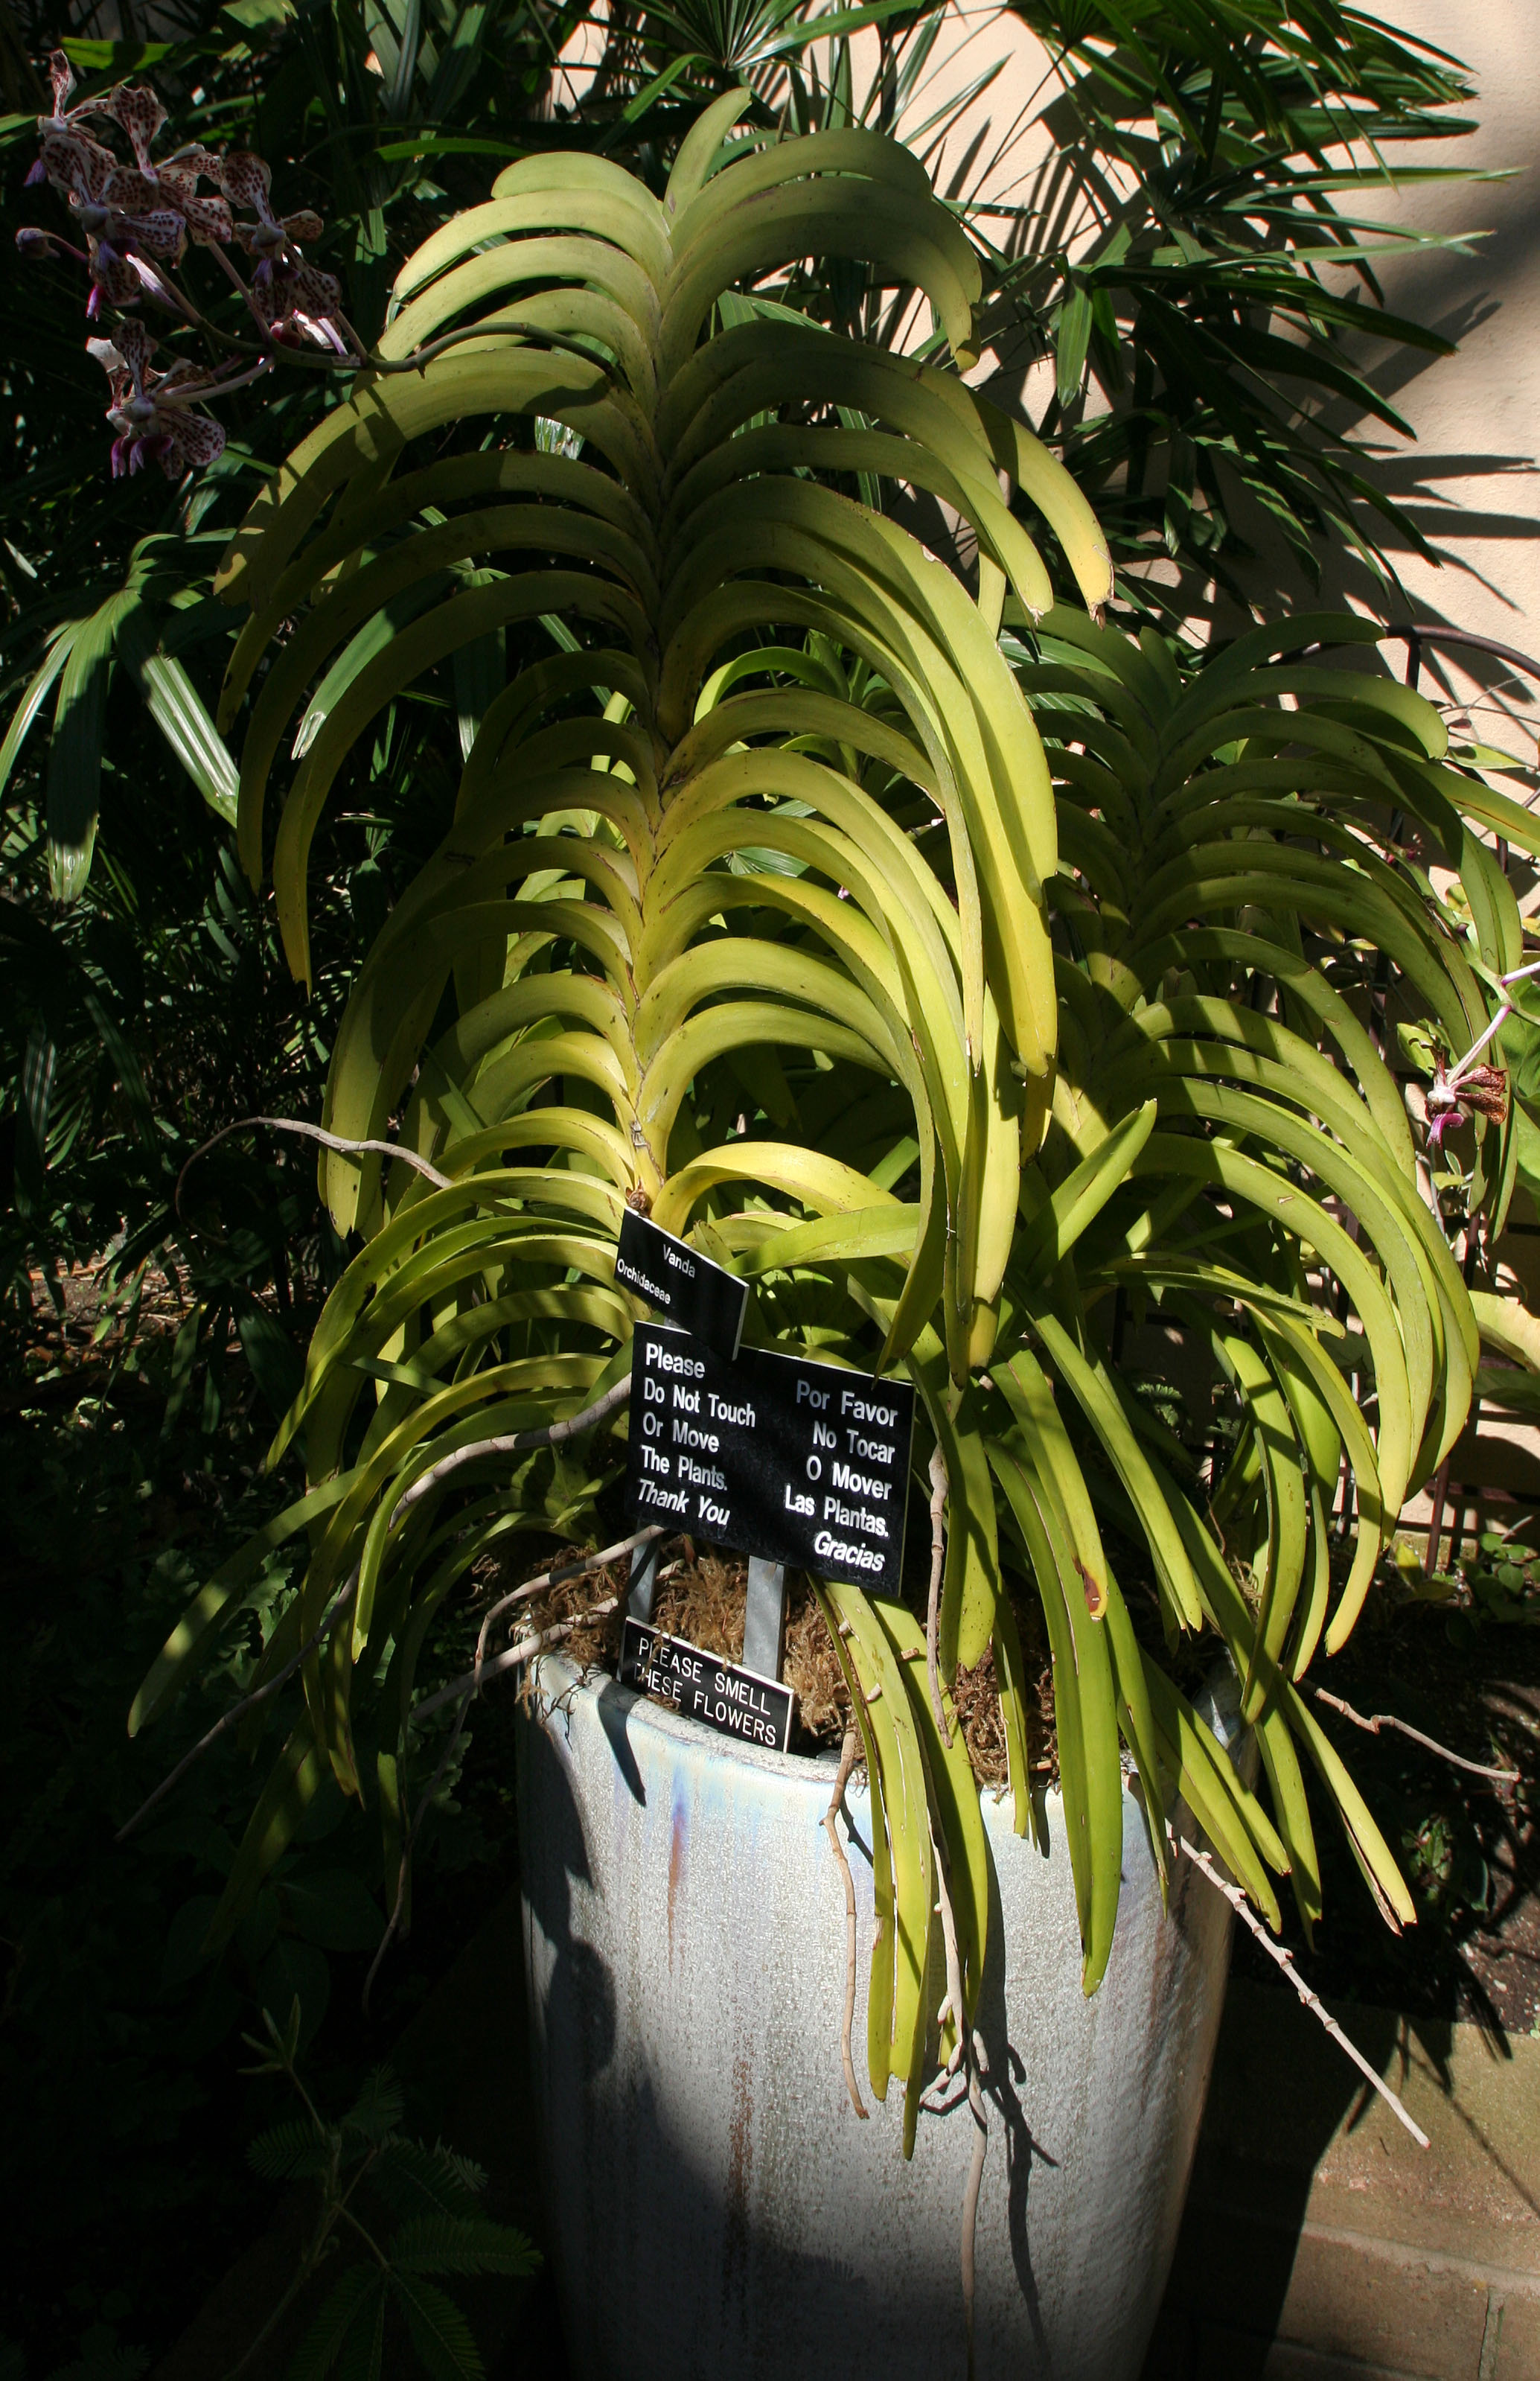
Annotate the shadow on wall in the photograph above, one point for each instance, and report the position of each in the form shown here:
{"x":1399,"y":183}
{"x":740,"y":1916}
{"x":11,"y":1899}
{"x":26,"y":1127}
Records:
{"x":1474,"y":500}
{"x":1315,"y":2232}
{"x":1477,"y":508}
{"x":1280,"y":2095}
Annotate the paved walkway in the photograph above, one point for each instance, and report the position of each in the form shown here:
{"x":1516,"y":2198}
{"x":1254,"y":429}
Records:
{"x":1321,"y":2244}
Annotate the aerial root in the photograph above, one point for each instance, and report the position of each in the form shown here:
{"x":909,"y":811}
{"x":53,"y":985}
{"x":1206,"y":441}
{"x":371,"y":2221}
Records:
{"x":964,"y":2055}
{"x":1283,"y":1958}
{"x":848,"y":1752}
{"x":938,"y":1485}
{"x":1404,"y":1727}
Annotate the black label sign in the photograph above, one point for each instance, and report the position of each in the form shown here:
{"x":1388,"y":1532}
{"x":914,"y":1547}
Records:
{"x":799,"y":1462}
{"x":733,"y":1700}
{"x":702,"y":1298}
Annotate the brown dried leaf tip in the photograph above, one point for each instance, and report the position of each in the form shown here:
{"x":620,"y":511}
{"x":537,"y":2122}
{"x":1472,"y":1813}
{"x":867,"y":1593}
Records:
{"x":637,"y":1200}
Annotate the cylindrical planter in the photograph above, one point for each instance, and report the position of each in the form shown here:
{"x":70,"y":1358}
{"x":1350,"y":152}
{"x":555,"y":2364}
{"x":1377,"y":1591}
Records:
{"x":716,"y":2208}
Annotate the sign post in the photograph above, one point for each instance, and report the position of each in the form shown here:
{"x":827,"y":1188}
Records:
{"x":765,"y":1617}
{"x":642,"y":1580}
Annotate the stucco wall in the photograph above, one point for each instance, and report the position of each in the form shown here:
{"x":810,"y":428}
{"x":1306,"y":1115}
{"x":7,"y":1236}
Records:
{"x":1470,"y":479}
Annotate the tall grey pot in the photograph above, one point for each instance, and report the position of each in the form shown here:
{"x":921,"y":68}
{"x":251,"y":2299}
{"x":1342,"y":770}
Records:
{"x":717,"y":2210}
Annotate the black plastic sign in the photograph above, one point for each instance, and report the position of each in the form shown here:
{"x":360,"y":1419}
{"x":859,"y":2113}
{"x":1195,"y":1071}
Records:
{"x":734,"y":1701}
{"x":802,"y":1463}
{"x":702,"y":1298}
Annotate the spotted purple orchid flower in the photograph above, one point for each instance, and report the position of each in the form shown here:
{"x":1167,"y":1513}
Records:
{"x":64,"y":125}
{"x":149,"y":209}
{"x":1454,"y":1099}
{"x":152,"y":411}
{"x":138,"y":222}
{"x":128,"y":232}
{"x":173,"y":180}
{"x":292,"y":299}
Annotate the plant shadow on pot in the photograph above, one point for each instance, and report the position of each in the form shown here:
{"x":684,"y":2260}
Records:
{"x":580,"y":1989}
{"x":711,"y":2199}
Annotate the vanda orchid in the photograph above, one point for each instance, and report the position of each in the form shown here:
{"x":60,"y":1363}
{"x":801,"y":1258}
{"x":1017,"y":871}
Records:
{"x":138,"y":222}
{"x":981,"y":984}
{"x":154,"y":412}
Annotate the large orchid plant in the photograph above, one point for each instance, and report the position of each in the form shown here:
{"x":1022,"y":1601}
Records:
{"x":956,"y":969}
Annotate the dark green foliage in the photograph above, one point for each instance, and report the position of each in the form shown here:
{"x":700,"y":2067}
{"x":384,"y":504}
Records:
{"x":1502,"y":1577}
{"x":120,"y":2162}
{"x":156,"y":1008}
{"x":406,"y":2211}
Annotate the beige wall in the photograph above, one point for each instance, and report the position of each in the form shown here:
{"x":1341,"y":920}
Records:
{"x":1471,"y":479}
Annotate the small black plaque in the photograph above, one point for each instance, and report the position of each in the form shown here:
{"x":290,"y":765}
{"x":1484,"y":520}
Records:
{"x":799,"y":1462}
{"x":734,"y":1701}
{"x":702,"y":1298}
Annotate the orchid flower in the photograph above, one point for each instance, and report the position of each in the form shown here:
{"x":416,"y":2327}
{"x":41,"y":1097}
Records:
{"x":67,"y":156}
{"x":114,"y":206}
{"x":289,"y":296}
{"x":138,"y":222}
{"x":1470,"y":1087}
{"x":127,"y":213}
{"x":62,"y":127}
{"x":117,"y":212}
{"x":150,"y":411}
{"x":1454,"y":1098}
{"x":141,"y":113}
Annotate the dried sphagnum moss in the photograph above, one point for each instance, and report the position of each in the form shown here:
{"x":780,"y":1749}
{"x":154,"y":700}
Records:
{"x":975,"y":1698}
{"x":700,"y":1597}
{"x":704,"y":1603}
